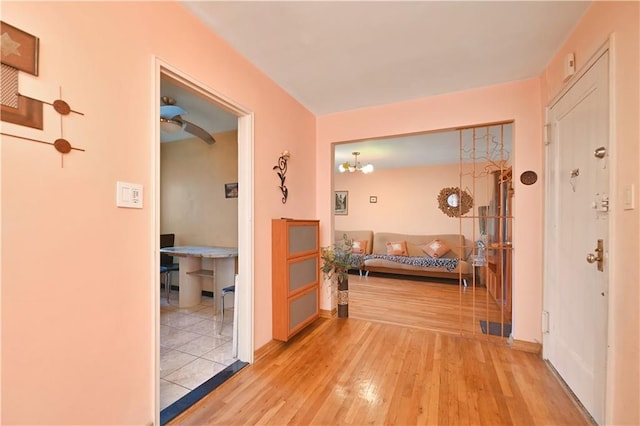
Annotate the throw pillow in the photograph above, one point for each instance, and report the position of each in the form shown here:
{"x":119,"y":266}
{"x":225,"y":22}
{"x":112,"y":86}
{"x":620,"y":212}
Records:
{"x":436,"y":248}
{"x":397,"y":248}
{"x":359,"y":246}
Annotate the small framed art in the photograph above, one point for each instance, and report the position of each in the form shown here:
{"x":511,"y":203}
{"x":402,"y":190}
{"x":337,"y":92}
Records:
{"x":231,"y":190}
{"x":341,"y":203}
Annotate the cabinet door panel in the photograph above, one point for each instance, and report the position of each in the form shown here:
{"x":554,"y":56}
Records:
{"x":303,"y":273}
{"x":303,"y":308}
{"x":302,"y":239}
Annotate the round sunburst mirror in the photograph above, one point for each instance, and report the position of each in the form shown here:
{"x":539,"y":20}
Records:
{"x":454,"y":202}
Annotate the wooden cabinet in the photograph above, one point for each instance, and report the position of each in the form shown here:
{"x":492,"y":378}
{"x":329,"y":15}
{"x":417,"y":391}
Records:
{"x":295,"y":275}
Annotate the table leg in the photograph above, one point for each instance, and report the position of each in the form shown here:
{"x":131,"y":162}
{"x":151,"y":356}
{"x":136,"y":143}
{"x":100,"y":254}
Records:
{"x":190,"y":293}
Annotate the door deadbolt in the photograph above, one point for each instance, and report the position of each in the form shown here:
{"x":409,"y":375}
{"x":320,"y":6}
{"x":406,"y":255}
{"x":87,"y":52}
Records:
{"x":600,"y":152}
{"x":598,"y":257}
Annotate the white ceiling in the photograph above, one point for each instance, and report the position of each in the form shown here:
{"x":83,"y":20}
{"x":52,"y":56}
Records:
{"x":340,"y":55}
{"x":334,"y":56}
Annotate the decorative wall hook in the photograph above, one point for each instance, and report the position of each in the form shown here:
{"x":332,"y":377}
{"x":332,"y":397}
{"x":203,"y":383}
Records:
{"x":281,"y":168}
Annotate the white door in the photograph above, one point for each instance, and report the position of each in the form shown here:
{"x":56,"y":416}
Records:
{"x":577,"y":199}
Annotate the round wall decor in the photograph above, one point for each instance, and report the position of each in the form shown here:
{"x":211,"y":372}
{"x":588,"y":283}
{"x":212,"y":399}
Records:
{"x":529,"y":177}
{"x":454,"y":202}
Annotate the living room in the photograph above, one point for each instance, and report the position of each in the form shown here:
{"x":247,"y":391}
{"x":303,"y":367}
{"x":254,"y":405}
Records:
{"x":404,"y":194}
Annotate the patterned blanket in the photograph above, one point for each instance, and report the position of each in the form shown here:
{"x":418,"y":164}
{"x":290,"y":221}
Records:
{"x":357,"y":260}
{"x":427,"y":262}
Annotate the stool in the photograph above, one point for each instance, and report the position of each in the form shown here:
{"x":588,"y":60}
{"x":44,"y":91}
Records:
{"x":225,"y":291}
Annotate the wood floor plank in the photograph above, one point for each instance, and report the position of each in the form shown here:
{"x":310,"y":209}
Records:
{"x":373,"y":371}
{"x":422,"y":378}
{"x":443,"y":307}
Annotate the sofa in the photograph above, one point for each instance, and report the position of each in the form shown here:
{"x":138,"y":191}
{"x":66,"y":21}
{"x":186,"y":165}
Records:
{"x":406,"y":254}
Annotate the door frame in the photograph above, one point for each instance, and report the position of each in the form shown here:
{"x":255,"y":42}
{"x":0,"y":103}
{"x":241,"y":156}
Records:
{"x":550,"y":204}
{"x":245,"y":290}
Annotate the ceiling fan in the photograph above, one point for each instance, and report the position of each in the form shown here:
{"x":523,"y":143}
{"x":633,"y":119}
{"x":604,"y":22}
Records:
{"x":171,"y":121}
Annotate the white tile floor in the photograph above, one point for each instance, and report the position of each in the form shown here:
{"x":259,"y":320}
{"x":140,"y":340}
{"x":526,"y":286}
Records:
{"x":194,"y":346}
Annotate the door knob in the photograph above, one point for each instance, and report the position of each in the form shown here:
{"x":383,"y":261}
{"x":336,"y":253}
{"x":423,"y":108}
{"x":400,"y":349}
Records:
{"x":593,"y":258}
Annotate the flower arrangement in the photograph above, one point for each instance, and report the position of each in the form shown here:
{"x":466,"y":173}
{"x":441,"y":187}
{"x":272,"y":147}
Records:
{"x":336,"y":259}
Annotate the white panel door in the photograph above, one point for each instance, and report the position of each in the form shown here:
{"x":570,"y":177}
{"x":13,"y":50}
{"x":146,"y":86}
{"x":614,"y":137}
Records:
{"x":576,"y":292}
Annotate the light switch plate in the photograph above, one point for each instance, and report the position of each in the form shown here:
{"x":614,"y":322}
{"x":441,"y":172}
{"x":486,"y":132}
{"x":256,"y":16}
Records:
{"x":629,"y":197}
{"x":129,"y":195}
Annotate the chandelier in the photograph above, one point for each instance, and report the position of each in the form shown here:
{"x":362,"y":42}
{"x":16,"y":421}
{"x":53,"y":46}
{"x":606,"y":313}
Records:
{"x":356,"y":166}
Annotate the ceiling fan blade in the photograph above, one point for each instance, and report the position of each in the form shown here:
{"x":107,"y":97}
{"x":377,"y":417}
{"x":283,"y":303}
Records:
{"x":199,"y":132}
{"x":171,"y":125}
{"x":171,"y":111}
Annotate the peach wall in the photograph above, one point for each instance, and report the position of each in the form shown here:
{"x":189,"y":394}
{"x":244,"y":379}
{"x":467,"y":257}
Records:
{"x":77,"y":272}
{"x":600,"y":21}
{"x":518,"y":101}
{"x":407,"y":201}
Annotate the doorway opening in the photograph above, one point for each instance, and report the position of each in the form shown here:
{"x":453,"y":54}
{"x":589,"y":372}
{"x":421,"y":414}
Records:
{"x":187,"y":368}
{"x":453,"y":187}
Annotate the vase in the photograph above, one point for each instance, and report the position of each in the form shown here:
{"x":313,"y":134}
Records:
{"x":343,"y":296}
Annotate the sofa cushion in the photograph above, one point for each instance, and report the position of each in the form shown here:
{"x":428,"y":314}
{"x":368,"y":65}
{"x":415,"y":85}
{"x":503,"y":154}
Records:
{"x":456,"y":243}
{"x":414,"y":250}
{"x":397,"y":248}
{"x":436,"y":248}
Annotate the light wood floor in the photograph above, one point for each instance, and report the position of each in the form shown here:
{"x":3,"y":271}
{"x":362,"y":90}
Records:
{"x":444,"y":307}
{"x":355,"y":371}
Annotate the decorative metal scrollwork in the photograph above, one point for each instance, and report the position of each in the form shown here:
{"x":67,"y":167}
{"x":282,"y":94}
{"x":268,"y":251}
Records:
{"x":281,"y":168}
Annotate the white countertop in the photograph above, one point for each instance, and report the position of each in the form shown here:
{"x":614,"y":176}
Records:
{"x":200,"y":251}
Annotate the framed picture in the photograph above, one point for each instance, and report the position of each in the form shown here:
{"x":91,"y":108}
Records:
{"x":29,"y":112}
{"x":19,"y":49}
{"x":341,"y":202}
{"x":231,"y":190}
{"x":373,"y":199}
{"x":19,"y":53}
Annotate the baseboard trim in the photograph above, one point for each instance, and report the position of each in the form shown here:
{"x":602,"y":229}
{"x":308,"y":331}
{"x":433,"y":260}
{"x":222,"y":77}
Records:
{"x":532,"y":347}
{"x":266,"y":349}
{"x":328,"y":314}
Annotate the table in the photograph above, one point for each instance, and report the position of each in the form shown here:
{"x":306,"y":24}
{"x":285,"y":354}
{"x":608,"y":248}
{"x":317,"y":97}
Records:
{"x":191,"y":270}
